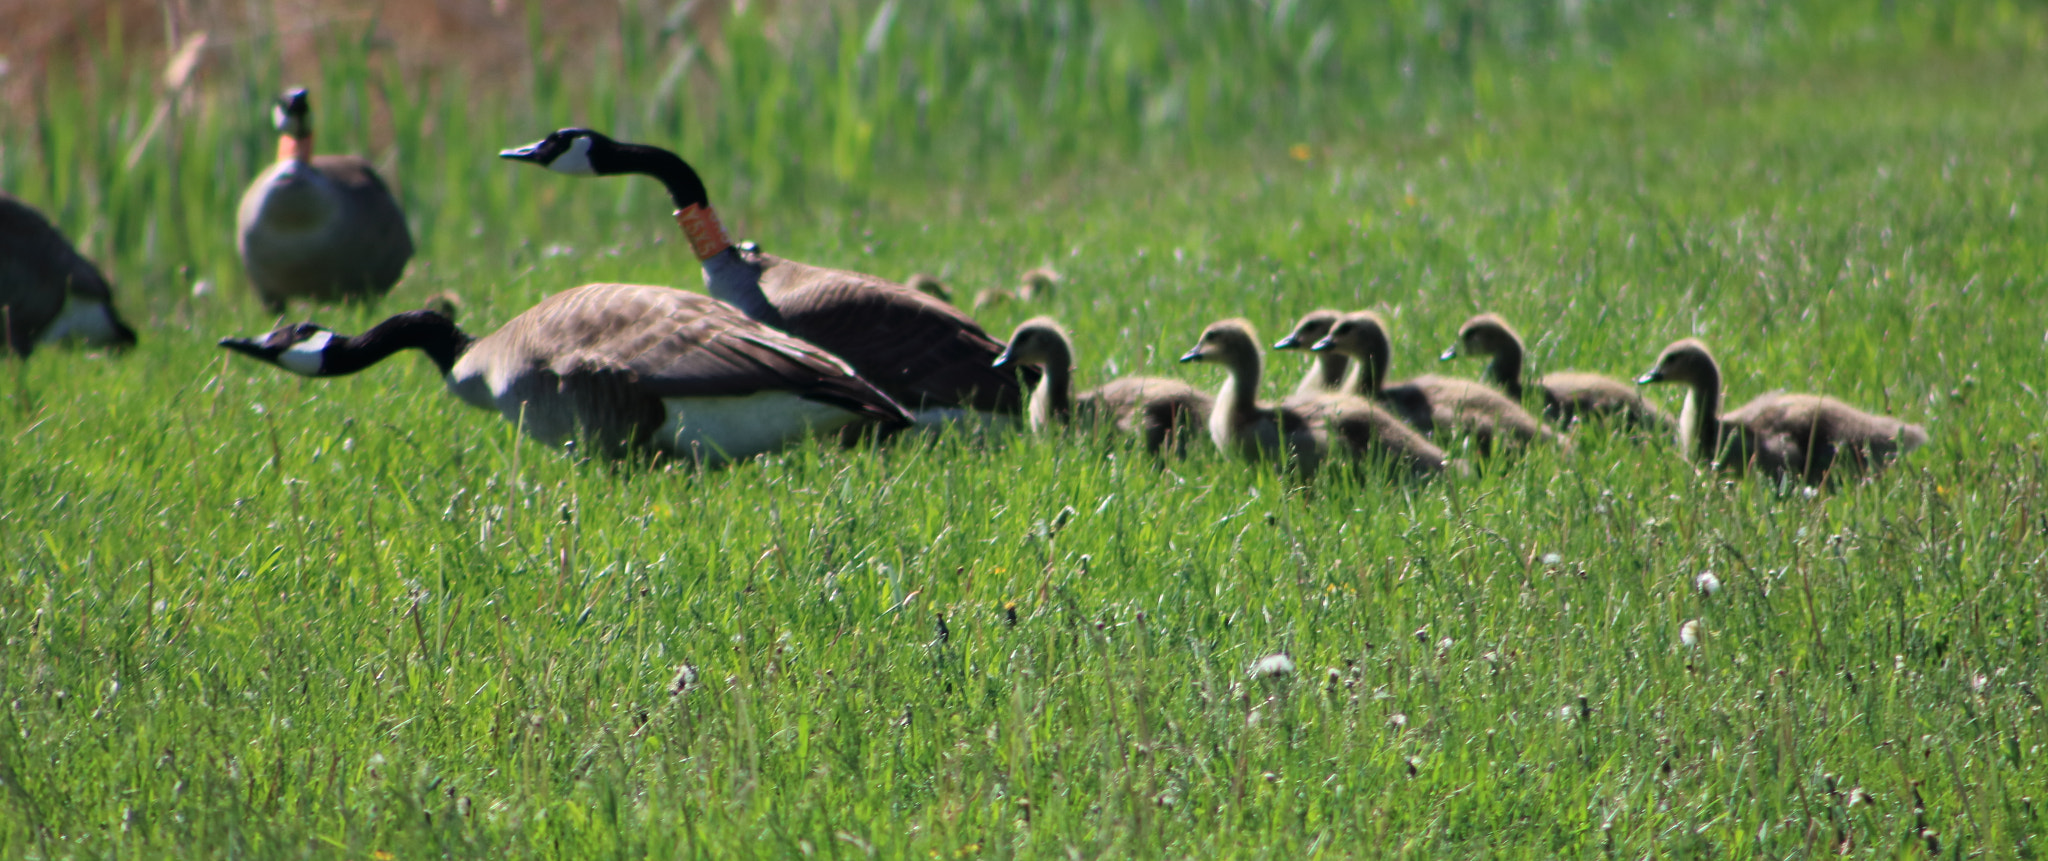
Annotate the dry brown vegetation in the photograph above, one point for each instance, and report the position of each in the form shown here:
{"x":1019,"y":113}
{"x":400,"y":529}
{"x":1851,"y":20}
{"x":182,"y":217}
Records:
{"x":482,"y":39}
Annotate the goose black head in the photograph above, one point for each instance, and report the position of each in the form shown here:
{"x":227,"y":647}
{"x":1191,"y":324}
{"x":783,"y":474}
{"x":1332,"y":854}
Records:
{"x":574,"y":151}
{"x":291,"y":114}
{"x":300,"y":348}
{"x":1229,"y":341}
{"x":1037,"y":341}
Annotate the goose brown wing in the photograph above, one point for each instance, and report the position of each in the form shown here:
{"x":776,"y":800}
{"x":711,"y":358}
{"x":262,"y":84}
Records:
{"x":657,"y":342}
{"x":921,"y":351}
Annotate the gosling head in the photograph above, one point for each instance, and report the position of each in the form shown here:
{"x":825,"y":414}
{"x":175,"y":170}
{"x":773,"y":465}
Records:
{"x":574,"y":151}
{"x":1483,"y":335}
{"x":1037,"y":341}
{"x":1359,"y":334}
{"x":1685,"y":361}
{"x":1312,"y":328}
{"x":300,"y":348}
{"x":1227,"y":341}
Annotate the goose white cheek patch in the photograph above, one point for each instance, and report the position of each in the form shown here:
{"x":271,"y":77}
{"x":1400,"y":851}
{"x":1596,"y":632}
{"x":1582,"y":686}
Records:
{"x":576,"y":161}
{"x":305,"y":357}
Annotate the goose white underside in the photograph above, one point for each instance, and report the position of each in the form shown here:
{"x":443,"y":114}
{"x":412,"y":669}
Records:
{"x":715,"y":430}
{"x":83,"y":319}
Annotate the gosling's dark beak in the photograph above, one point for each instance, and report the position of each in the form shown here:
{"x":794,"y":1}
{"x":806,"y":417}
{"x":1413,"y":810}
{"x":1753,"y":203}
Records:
{"x":1450,"y":352}
{"x":1194,"y":355}
{"x":1291,"y":342}
{"x":1323,"y":346}
{"x":1007,"y":359}
{"x":1654,"y":375}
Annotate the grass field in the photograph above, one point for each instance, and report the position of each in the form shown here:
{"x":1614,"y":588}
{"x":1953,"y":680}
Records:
{"x":247,"y":615}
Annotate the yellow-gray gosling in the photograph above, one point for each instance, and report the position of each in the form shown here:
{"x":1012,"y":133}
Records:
{"x":1326,"y":369}
{"x":1810,"y":436}
{"x":1568,"y":396}
{"x":1159,"y":409}
{"x":1436,"y":406}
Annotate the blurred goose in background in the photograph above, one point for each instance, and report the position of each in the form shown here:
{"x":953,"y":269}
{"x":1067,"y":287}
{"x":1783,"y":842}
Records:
{"x":1326,"y":369}
{"x":319,"y":227}
{"x":1157,"y":408}
{"x":1812,"y":437}
{"x":1237,"y":423}
{"x":1436,"y":406}
{"x":929,"y":285}
{"x":920,"y":350}
{"x":48,"y":292}
{"x":1035,"y":284}
{"x":1568,"y":396}
{"x":626,"y":367}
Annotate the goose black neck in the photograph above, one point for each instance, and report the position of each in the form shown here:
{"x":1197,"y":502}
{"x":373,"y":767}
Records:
{"x":1372,"y":358}
{"x":684,"y":186}
{"x":427,"y":331}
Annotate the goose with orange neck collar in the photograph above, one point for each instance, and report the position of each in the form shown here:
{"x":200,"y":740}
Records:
{"x":921,"y":351}
{"x":319,"y":227}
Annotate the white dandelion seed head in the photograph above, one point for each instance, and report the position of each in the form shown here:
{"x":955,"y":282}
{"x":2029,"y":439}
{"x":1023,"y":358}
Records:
{"x":1979,"y":682}
{"x":1564,"y":713}
{"x":1689,"y":633}
{"x":1552,"y":558}
{"x":1272,"y":666}
{"x":1445,"y":644}
{"x":1397,"y":720}
{"x":1707,"y":583}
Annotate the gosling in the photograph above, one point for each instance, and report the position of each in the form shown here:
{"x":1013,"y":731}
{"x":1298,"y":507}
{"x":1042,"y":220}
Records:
{"x":1778,"y":434}
{"x":1569,"y":397}
{"x":1159,"y":409}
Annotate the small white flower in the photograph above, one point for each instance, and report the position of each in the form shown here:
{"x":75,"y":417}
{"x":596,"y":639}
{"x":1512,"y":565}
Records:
{"x":202,"y":288}
{"x":1564,"y":713}
{"x":1272,"y":666}
{"x":1707,"y":583}
{"x":1552,"y":558}
{"x":1978,"y":682}
{"x":1689,"y":633}
{"x":1445,"y":644}
{"x":1398,"y":720}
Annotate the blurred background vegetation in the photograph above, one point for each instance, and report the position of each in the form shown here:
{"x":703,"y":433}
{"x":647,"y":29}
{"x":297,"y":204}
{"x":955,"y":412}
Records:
{"x":131,"y":120}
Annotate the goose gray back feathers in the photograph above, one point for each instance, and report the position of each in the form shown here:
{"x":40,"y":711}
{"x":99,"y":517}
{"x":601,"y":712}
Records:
{"x":48,"y":291}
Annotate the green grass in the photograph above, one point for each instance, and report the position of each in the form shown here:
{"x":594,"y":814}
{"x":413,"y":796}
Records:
{"x":243,"y":614}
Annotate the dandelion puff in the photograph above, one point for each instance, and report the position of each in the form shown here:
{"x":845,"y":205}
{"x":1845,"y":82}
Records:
{"x":1272,"y":666}
{"x":1689,"y":633}
{"x":1707,"y":583}
{"x":1397,"y":720}
{"x":1979,"y":682}
{"x":685,"y":679}
{"x":1552,"y":558}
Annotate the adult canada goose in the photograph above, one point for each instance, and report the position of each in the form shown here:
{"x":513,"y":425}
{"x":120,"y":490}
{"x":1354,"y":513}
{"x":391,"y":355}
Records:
{"x":624,"y":366}
{"x":1299,"y":428}
{"x":921,"y":351}
{"x":1326,"y":369}
{"x":1159,"y":409}
{"x":1810,"y":436}
{"x":1568,"y":396}
{"x":319,"y":227}
{"x":1431,"y":404}
{"x":48,"y":292}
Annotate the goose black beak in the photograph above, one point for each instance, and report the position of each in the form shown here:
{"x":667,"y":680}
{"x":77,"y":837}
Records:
{"x":1653,"y":376}
{"x":535,"y":152}
{"x":1005,"y":360}
{"x":1291,"y":342}
{"x":249,"y":347}
{"x":1323,"y":346}
{"x":1194,"y":355}
{"x":1450,"y":352}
